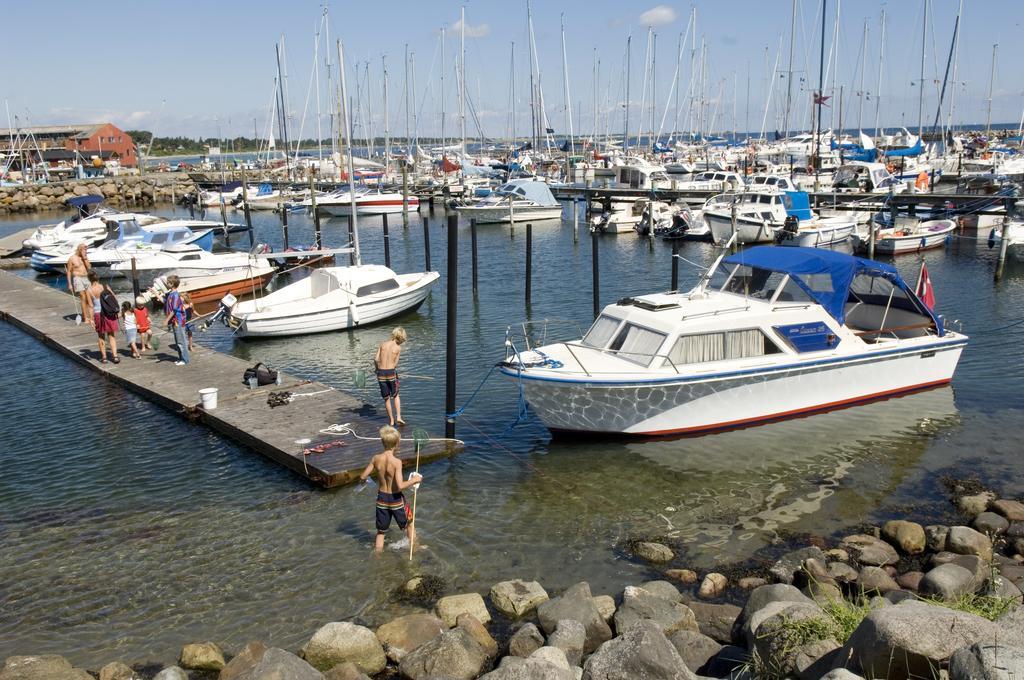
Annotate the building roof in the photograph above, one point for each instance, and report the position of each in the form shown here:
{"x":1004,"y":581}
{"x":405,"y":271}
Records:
{"x":83,"y":131}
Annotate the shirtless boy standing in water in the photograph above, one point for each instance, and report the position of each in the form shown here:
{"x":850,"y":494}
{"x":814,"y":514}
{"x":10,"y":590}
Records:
{"x":391,"y":504}
{"x":78,"y":279}
{"x":386,"y":362}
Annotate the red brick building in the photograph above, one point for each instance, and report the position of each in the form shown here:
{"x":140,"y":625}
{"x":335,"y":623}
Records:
{"x":103,"y":139}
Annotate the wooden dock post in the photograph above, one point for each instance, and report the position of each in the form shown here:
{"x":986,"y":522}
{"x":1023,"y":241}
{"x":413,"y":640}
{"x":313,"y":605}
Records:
{"x":136,"y":288}
{"x":245,"y":207}
{"x":317,"y":240}
{"x":575,"y":221}
{"x":529,"y":262}
{"x":452,"y":328}
{"x":387,"y":242}
{"x":351,"y":241}
{"x":596,"y":272}
{"x":472,"y":248}
{"x":426,"y":243}
{"x":405,"y":196}
{"x":675,"y":265}
{"x":1004,"y":240}
{"x":284,"y":224}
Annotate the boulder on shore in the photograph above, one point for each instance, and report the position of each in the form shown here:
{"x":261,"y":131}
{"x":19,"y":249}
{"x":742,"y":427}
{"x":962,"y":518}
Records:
{"x":117,"y":670}
{"x":41,"y":667}
{"x":696,"y":649}
{"x":277,"y":664}
{"x":525,"y":641}
{"x":869,"y":550}
{"x":448,"y":608}
{"x":987,"y":661}
{"x":967,"y":541}
{"x":569,"y":637}
{"x":786,"y":567}
{"x":454,"y":654}
{"x":243,"y":662}
{"x":643,"y":651}
{"x":747,"y":621}
{"x":337,"y":642}
{"x":653,"y":552}
{"x":948,"y":582}
{"x":517,"y":598}
{"x":406,"y":633}
{"x":713,"y":585}
{"x":715,"y":620}
{"x":640,"y":605}
{"x":577,"y":604}
{"x":907,"y":536}
{"x":201,"y":656}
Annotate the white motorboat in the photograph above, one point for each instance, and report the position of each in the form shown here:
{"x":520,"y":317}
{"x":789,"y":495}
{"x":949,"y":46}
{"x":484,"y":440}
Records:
{"x":89,"y":226}
{"x":1014,"y":231}
{"x":619,"y":217}
{"x":225,"y":194}
{"x":189,"y":260}
{"x":908,"y":235}
{"x":519,"y":200}
{"x":713,"y":181}
{"x":330,"y":299}
{"x":761,"y":213}
{"x":769,"y":333}
{"x":367,"y":202}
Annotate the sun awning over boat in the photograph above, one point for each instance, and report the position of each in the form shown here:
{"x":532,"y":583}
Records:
{"x":88,"y":199}
{"x":826,"y":275}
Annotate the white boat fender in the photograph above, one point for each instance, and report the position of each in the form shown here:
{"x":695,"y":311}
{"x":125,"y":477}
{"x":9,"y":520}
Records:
{"x":353,"y":313}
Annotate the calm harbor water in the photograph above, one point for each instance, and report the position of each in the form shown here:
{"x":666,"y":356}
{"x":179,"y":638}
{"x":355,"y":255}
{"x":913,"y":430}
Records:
{"x":126,"y":532}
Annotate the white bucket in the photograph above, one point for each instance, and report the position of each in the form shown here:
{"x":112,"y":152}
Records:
{"x":209,"y":397}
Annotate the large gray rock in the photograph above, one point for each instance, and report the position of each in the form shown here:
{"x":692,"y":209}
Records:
{"x":841,"y":572}
{"x":643,"y":651}
{"x":760,"y":598}
{"x":840,"y":674}
{"x":201,"y":656}
{"x":914,"y":639}
{"x":786,"y":567}
{"x":406,"y":633}
{"x":640,"y":605}
{"x":662,"y":589}
{"x":569,"y":637}
{"x":340,"y":641}
{"x":525,"y":641}
{"x":553,"y":656}
{"x":907,"y":536}
{"x":1006,"y":589}
{"x":534,"y":668}
{"x":976,"y":503}
{"x":787,"y":653}
{"x":448,"y":608}
{"x":869,"y":550}
{"x":277,"y":664}
{"x":715,"y":620}
{"x":472,"y":625}
{"x":42,"y":667}
{"x":454,"y":654}
{"x":876,"y":580}
{"x":577,"y":604}
{"x":605,"y":606}
{"x":991,"y":524}
{"x":344,"y":671}
{"x":116,"y":670}
{"x":948,"y":582}
{"x":967,"y":541}
{"x":713,"y":585}
{"x":517,"y":598}
{"x":243,"y":661}
{"x":696,"y":649}
{"x":987,"y":661}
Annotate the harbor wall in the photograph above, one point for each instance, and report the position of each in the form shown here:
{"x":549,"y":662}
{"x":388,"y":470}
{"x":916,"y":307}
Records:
{"x":126,"y":191}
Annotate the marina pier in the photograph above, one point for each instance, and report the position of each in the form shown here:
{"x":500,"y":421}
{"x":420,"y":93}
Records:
{"x":241,"y":414}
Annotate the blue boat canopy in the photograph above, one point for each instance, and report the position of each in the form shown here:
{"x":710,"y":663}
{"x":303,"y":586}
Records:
{"x":828,"y":276}
{"x":82,"y":201}
{"x":912,"y":151}
{"x":797,"y":204}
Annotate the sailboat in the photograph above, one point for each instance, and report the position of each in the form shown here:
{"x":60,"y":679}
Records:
{"x":333,"y":298}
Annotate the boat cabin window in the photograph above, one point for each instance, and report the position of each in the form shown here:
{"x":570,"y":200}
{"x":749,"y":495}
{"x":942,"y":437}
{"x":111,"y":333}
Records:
{"x":753,"y":282}
{"x":159,"y":238}
{"x":187,"y":258}
{"x":702,"y":347}
{"x":377,"y":287}
{"x":637,"y":344}
{"x":601,"y":332}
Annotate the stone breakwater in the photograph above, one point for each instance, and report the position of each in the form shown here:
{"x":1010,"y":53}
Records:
{"x":898,"y":601}
{"x":128,"y":191}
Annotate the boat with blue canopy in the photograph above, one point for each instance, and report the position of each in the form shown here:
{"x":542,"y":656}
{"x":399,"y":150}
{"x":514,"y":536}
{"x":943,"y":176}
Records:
{"x":768,"y":333}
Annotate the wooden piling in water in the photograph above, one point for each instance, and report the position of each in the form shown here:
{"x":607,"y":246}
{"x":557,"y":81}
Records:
{"x":245,"y":207}
{"x":472,"y":248}
{"x":317,"y":240}
{"x":596,"y":273}
{"x":452,"y":326}
{"x":351,"y":240}
{"x":136,"y":288}
{"x":529,"y":262}
{"x":426,"y":244}
{"x":387,"y":242}
{"x":675,"y":265}
{"x":284,"y":224}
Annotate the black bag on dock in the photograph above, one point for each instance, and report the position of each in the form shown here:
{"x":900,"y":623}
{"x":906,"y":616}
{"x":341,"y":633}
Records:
{"x":108,"y":303}
{"x":264,"y":376}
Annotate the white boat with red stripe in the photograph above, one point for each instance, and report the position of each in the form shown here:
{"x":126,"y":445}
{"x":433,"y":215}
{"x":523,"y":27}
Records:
{"x":769,"y":333}
{"x":367,"y":202}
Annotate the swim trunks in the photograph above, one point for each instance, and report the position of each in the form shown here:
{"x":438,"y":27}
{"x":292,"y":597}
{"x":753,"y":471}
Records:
{"x":387,"y":380}
{"x":79,"y":283}
{"x":392,"y":505}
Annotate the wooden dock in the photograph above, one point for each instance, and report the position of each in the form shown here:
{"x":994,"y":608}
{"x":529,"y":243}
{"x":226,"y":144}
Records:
{"x":11,"y":244}
{"x":242,"y":414}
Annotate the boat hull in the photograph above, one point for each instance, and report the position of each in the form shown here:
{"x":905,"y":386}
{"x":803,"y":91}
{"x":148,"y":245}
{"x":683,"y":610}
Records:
{"x":214,"y":287}
{"x":747,"y":231}
{"x":499,"y":214}
{"x":387,"y":206}
{"x":714,"y":402}
{"x":819,"y":237}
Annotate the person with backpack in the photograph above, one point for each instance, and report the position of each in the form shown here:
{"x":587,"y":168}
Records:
{"x":176,"y":319}
{"x":105,"y":311}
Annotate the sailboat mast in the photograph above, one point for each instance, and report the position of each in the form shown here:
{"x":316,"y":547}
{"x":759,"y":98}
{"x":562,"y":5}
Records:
{"x":444,"y":154}
{"x":316,"y":79}
{"x":347,"y":122}
{"x":920,"y":83}
{"x":956,"y":63}
{"x":881,"y":61}
{"x":283,"y":113}
{"x":593,"y":130}
{"x":568,"y":99}
{"x":533,"y":89}
{"x":821,"y":84}
{"x":387,"y":128}
{"x":415,"y":148}
{"x":625,"y":132}
{"x":863,"y":66}
{"x":462,"y":90}
{"x":789,"y":73}
{"x":654,"y":81}
{"x":991,"y":85}
{"x":945,"y":77}
{"x":405,"y":87}
{"x":512,"y":91}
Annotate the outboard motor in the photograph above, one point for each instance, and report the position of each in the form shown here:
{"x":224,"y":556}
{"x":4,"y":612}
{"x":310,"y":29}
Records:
{"x":224,"y":313}
{"x":791,"y":225}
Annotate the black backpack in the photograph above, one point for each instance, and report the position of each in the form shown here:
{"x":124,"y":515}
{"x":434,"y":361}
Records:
{"x":264,"y":375}
{"x":108,"y":304}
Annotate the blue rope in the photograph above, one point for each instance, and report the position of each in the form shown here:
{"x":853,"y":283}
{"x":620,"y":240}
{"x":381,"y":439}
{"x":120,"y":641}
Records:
{"x":522,"y":411}
{"x":462,"y":409}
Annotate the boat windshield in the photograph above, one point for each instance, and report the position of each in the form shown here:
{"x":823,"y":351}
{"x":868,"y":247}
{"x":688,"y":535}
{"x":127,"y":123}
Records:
{"x":762,"y":284}
{"x":601,"y":332}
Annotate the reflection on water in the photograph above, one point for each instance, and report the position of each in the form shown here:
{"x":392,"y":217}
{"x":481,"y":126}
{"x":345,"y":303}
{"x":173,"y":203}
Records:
{"x":125,"y":531}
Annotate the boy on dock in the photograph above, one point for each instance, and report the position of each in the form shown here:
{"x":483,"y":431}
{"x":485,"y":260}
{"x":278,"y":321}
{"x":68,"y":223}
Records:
{"x":142,"y":322}
{"x":174,"y":309}
{"x":391,"y":504}
{"x":386,"y":363}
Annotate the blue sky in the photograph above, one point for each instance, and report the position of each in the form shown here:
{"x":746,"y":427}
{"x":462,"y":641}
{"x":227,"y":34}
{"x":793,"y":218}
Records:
{"x":195,"y":68}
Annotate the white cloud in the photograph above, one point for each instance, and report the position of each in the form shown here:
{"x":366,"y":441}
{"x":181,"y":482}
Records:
{"x":658,"y":16}
{"x":478,"y":31}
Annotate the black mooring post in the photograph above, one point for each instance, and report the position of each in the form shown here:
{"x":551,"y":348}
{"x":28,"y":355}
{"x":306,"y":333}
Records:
{"x":675,"y":264}
{"x":529,"y":261}
{"x":472,"y":241}
{"x":284,"y":224}
{"x":136,"y":288}
{"x":351,"y":241}
{"x":426,"y":243}
{"x":450,"y":339}
{"x":317,"y":239}
{"x":387,"y":243}
{"x":245,"y":207}
{"x":596,"y":269}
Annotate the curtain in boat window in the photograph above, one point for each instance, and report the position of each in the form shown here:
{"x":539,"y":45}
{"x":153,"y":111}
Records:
{"x":601,"y":332}
{"x":695,"y":349}
{"x":748,"y":343}
{"x":639,"y":344}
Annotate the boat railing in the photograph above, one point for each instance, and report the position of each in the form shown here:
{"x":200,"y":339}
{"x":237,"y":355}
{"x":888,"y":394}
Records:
{"x":650,"y":357}
{"x":532,"y":334}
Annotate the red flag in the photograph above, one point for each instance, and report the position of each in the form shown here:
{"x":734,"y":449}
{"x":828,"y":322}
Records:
{"x":822,"y":99}
{"x":924,"y":290}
